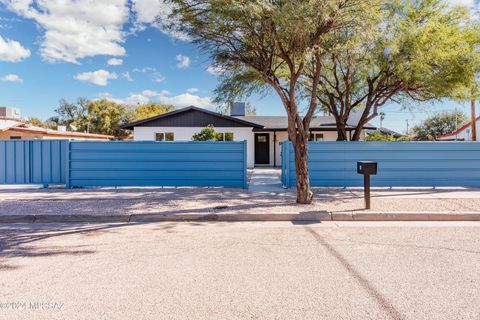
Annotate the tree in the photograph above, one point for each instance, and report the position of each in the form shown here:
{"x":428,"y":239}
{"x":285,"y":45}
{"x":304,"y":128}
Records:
{"x":148,"y":110}
{"x":409,"y":51}
{"x":274,"y":43}
{"x":378,"y":136}
{"x":73,"y":115}
{"x":36,"y":122}
{"x":206,"y":134}
{"x":441,"y":123}
{"x":420,"y":50}
{"x":106,"y":117}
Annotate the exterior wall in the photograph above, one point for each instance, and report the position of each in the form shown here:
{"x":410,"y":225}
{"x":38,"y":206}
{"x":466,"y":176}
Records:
{"x":5,"y":135}
{"x":239,"y":134}
{"x":186,"y":133}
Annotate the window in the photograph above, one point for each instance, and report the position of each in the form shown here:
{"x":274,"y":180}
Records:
{"x":315,"y":137}
{"x":227,"y":136}
{"x":164,"y":136}
{"x":261,"y":138}
{"x":15,"y":138}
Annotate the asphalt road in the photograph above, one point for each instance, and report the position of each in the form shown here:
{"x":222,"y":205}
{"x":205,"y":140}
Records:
{"x":240,"y":271}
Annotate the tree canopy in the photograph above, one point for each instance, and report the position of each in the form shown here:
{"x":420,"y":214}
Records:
{"x":439,"y":124}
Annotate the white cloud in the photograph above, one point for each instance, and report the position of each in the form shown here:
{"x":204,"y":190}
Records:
{"x":126,"y":75}
{"x":193,"y":90}
{"x":158,"y":77}
{"x":183,"y":61}
{"x":76,"y":29}
{"x":215,"y":70}
{"x":99,"y":77}
{"x":156,"y":13}
{"x":12,"y":78}
{"x":12,"y":51}
{"x":114,"y":62}
{"x":165,"y":97}
{"x":144,"y":69}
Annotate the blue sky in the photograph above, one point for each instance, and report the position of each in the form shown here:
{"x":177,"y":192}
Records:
{"x":113,"y":48}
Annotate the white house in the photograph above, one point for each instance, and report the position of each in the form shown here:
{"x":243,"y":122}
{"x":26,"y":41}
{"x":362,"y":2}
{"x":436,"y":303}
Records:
{"x":462,"y":134}
{"x":263,"y":134}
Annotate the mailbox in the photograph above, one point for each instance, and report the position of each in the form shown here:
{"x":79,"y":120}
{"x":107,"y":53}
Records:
{"x":367,"y":167}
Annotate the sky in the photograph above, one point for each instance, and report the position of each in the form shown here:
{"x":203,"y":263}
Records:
{"x":117,"y":49}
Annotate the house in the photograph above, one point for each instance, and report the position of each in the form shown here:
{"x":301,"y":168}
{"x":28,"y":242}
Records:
{"x":263,"y":134}
{"x":13,"y":128}
{"x":462,"y":134}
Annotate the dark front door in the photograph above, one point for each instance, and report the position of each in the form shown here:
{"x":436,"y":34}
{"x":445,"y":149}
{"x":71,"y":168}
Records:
{"x":262,"y":148}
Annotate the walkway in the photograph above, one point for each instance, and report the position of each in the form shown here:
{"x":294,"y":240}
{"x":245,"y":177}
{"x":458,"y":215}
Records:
{"x":266,"y":180}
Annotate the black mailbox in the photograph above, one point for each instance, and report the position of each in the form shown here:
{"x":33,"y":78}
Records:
{"x":367,"y":167}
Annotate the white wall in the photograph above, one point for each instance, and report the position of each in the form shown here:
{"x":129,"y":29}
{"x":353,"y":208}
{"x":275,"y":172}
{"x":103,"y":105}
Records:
{"x":186,"y":133}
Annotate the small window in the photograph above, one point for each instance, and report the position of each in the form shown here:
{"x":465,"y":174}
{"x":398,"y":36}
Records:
{"x":159,"y":136}
{"x":169,"y":136}
{"x":228,"y":136}
{"x":261,"y":138}
{"x":220,"y":136}
{"x":315,"y":137}
{"x":15,"y":138}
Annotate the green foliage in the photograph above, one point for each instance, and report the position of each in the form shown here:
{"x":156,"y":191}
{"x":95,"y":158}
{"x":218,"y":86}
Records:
{"x":441,"y":123}
{"x":105,"y":117}
{"x":378,"y":136}
{"x":36,"y":122}
{"x":148,"y":110}
{"x":206,"y":134}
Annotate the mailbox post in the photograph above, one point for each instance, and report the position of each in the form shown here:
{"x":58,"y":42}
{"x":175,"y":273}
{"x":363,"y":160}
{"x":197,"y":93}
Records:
{"x":367,"y":168}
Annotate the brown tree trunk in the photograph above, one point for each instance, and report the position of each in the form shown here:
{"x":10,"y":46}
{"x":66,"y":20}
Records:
{"x":341,"y":133}
{"x":300,"y":147}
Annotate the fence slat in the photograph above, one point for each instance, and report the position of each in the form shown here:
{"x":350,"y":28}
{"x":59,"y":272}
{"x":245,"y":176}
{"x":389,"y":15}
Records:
{"x":404,"y":164}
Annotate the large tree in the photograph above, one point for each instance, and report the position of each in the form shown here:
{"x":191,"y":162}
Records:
{"x":410,"y":50}
{"x":147,"y":110}
{"x":439,"y":124}
{"x":278,"y":43}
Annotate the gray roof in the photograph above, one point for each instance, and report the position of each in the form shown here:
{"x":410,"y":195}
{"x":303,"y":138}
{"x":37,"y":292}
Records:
{"x":281,"y":122}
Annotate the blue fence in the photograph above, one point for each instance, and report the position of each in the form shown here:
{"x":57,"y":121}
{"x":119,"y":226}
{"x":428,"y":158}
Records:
{"x":333,"y":164}
{"x":150,"y":163}
{"x":33,"y":161}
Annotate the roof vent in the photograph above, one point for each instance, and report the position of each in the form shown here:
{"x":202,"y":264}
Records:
{"x":238,"y":109}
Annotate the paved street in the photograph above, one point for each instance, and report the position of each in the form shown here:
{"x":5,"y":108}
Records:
{"x":240,"y":271}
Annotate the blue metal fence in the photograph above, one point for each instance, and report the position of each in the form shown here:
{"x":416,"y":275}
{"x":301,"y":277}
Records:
{"x":333,"y":164}
{"x":33,"y":161}
{"x":150,"y":163}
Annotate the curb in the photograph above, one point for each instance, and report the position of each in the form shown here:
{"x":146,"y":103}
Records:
{"x":267,"y":217}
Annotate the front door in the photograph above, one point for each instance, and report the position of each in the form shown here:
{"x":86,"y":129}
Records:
{"x":262,"y":148}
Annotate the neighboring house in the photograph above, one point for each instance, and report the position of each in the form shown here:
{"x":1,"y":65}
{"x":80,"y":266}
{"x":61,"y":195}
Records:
{"x":386,"y":132}
{"x":263,"y":134}
{"x":462,"y":134}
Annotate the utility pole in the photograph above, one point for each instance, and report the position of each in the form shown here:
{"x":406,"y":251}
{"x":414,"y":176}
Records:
{"x":474,"y":120}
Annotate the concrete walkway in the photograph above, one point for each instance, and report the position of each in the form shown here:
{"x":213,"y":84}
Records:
{"x":266,"y":180}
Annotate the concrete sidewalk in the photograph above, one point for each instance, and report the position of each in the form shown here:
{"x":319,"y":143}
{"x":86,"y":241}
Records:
{"x":219,"y":204}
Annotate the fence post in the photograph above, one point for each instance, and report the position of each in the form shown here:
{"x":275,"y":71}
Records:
{"x":67,"y":168}
{"x":245,"y":164}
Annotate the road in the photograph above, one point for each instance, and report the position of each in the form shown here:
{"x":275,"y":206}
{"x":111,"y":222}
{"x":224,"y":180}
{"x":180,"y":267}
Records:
{"x":240,"y":271}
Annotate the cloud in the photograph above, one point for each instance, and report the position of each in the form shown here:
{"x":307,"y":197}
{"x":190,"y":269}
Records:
{"x":12,"y":78}
{"x":75,"y":29}
{"x":126,"y":75}
{"x":12,"y":51}
{"x":157,"y":14}
{"x":99,"y":77}
{"x":158,"y":77}
{"x":183,"y":61}
{"x":165,"y":97}
{"x":215,"y":70}
{"x":114,"y":62}
{"x":193,"y":90}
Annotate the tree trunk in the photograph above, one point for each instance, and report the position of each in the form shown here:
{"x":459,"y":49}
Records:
{"x":304,"y":194}
{"x":341,"y":132}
